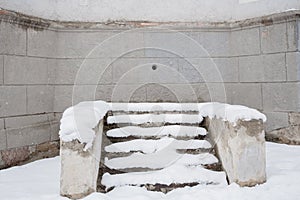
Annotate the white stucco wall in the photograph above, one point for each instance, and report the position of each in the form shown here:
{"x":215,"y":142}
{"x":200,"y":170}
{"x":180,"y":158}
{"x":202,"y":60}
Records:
{"x":149,"y":10}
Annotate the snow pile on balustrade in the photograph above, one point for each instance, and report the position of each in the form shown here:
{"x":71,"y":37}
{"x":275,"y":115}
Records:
{"x":230,"y":113}
{"x":78,"y":121}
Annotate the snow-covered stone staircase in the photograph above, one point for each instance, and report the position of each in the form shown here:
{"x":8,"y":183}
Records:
{"x":159,"y":148}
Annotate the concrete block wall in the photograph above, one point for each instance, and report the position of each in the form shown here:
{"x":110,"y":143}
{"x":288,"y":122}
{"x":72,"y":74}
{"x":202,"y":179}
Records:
{"x":47,"y":66}
{"x":252,"y":63}
{"x":28,"y":126}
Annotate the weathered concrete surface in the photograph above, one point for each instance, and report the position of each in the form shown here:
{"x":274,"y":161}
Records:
{"x":289,"y":134}
{"x":22,"y":155}
{"x":241,"y":149}
{"x":79,"y":168}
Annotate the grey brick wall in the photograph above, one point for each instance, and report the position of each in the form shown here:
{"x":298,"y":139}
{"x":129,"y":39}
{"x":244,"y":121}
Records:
{"x":26,"y":92}
{"x":45,"y":70}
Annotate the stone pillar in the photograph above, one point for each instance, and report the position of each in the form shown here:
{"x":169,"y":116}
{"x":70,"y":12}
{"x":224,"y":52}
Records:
{"x":79,"y":168}
{"x":241,"y":149}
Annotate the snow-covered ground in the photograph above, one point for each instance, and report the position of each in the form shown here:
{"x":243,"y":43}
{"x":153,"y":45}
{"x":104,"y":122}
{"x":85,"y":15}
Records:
{"x":40,"y":180}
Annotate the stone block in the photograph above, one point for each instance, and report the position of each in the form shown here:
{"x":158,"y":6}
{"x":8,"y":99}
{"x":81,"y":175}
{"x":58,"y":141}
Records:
{"x":241,"y":149}
{"x":293,"y":66}
{"x":292,"y":36}
{"x":204,"y":94}
{"x":161,"y":93}
{"x":66,"y":96}
{"x":287,"y":135}
{"x":172,"y":93}
{"x":42,"y":43}
{"x":140,"y":70}
{"x":3,"y":140}
{"x":294,"y":118}
{"x":26,"y":136}
{"x":26,"y":70}
{"x":40,"y":99}
{"x":274,"y":38}
{"x":79,"y":168}
{"x":129,"y":93}
{"x":215,"y":44}
{"x":12,"y":101}
{"x":228,"y":68}
{"x":247,"y":94}
{"x":54,"y":131}
{"x":263,"y":68}
{"x":15,"y":156}
{"x":163,"y":43}
{"x":104,"y":92}
{"x":99,"y":44}
{"x":245,"y":42}
{"x":214,"y":92}
{"x":13,"y":39}
{"x":276,"y":120}
{"x":82,"y":71}
{"x":94,"y":71}
{"x":194,"y":70}
{"x":24,"y":121}
{"x":209,"y":70}
{"x":281,"y":97}
{"x":62,"y":98}
{"x":298,"y":45}
{"x":1,"y":124}
{"x":128,"y":43}
{"x":1,"y":70}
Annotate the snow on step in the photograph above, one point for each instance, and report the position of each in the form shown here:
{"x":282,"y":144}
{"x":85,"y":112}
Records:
{"x":173,"y":174}
{"x":151,"y":107}
{"x":154,"y":118}
{"x":172,"y":130}
{"x":160,"y":159}
{"x":151,"y":146}
{"x":227,"y":112}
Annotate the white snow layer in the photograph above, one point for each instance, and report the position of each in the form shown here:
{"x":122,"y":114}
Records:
{"x":40,"y":181}
{"x":225,"y":111}
{"x":79,"y":121}
{"x":231,"y":113}
{"x":172,"y":174}
{"x":172,"y":130}
{"x":160,"y":159}
{"x":151,"y":146}
{"x":154,"y":118}
{"x":147,"y":107}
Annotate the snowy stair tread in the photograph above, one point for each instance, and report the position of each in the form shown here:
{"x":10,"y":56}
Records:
{"x":177,"y":174}
{"x":158,"y":146}
{"x":151,"y":146}
{"x":159,"y":160}
{"x":152,"y":107}
{"x":143,"y":132}
{"x":155,"y":118}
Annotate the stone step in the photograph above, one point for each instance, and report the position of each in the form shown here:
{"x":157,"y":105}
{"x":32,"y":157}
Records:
{"x":155,"y":119}
{"x":157,"y":132}
{"x":111,"y":155}
{"x":152,"y":107}
{"x":174,"y":175}
{"x":159,"y":160}
{"x":156,"y":112}
{"x":152,"y":146}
